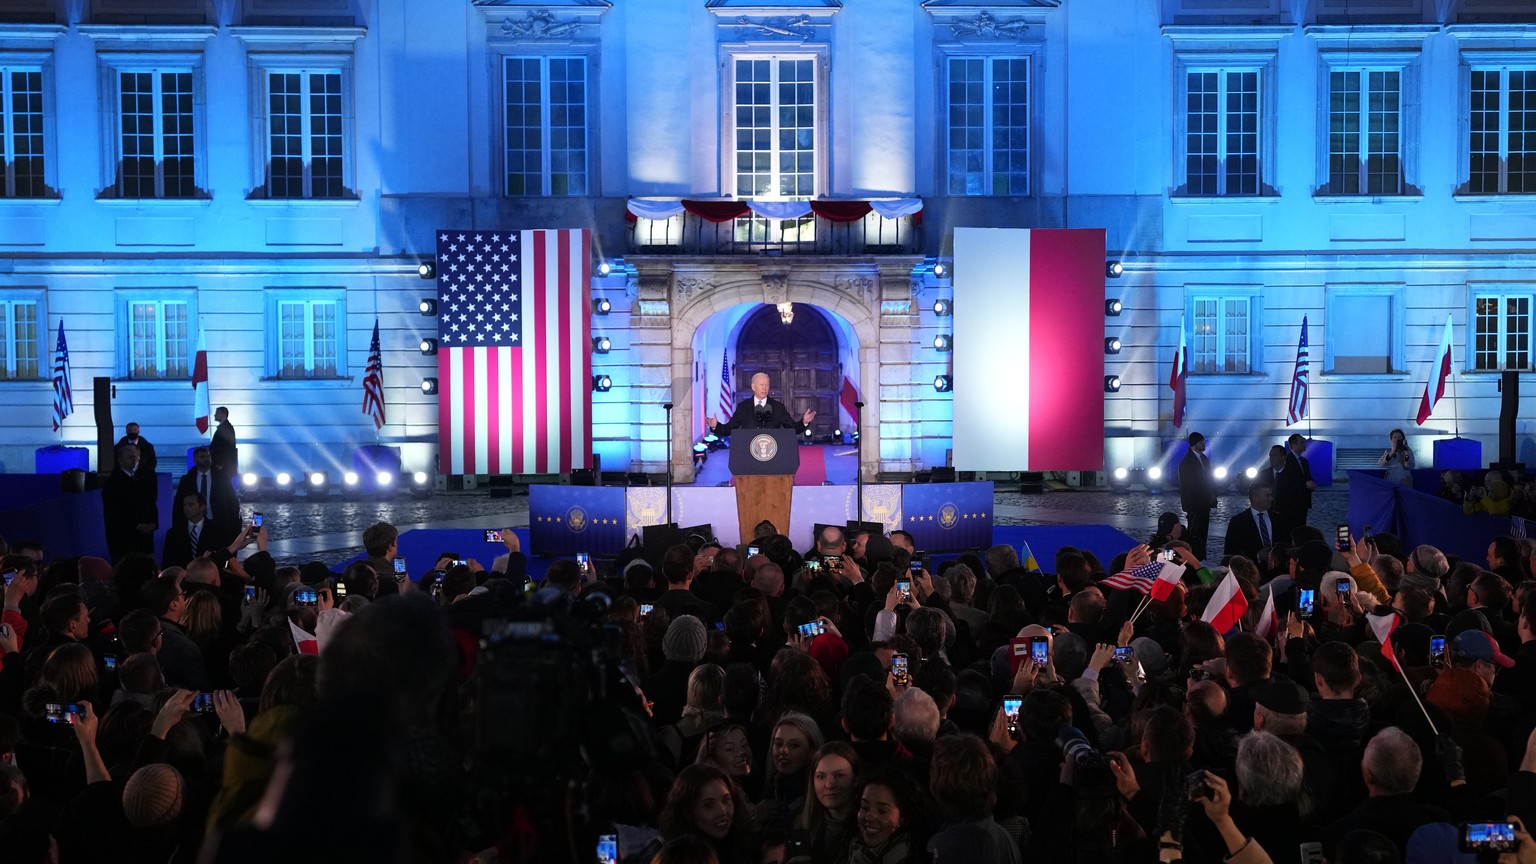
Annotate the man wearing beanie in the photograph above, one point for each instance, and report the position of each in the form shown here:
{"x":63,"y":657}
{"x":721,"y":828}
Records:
{"x":667,"y":687}
{"x":152,"y":796}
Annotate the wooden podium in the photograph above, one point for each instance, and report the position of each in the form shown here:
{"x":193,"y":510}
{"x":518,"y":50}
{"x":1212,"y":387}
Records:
{"x":764,"y":462}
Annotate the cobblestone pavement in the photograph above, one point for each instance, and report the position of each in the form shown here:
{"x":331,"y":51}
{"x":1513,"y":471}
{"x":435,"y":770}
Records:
{"x":331,"y":530}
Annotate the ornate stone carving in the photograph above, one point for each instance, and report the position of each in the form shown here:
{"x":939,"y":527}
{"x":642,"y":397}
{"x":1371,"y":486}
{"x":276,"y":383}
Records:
{"x":685,"y":287}
{"x":984,"y":26}
{"x":797,"y":28}
{"x":541,"y":24}
{"x":775,"y":288}
{"x":860,"y":287}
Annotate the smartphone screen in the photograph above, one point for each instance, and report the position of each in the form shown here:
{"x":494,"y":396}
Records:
{"x":1124,"y":655}
{"x":720,"y":625}
{"x":1011,"y":706}
{"x":1344,"y":588}
{"x":1343,"y":537}
{"x":400,"y":566}
{"x":61,"y":712}
{"x":492,"y":536}
{"x":307,"y":597}
{"x":109,"y":661}
{"x":250,"y":593}
{"x":608,"y":849}
{"x":9,"y":576}
{"x":1488,"y":837}
{"x":917,"y":565}
{"x":341,"y":589}
{"x":256,"y":520}
{"x":582,"y":558}
{"x":904,"y":591}
{"x":813,"y":565}
{"x":1167,"y":556}
{"x":899,"y":672}
{"x":752,"y":550}
{"x":1040,"y":651}
{"x":1437,"y":651}
{"x":459,"y":562}
{"x":202,"y":703}
{"x":808,"y":629}
{"x":645,"y":608}
{"x":1306,"y":601}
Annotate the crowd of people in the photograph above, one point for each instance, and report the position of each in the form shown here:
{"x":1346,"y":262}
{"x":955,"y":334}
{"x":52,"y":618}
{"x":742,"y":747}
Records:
{"x":857,"y":701}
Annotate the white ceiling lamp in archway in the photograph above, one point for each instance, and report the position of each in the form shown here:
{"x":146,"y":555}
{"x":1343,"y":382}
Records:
{"x":787,"y":312}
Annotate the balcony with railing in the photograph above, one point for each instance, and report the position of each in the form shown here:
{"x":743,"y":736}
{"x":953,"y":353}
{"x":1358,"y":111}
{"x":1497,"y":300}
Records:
{"x":738,"y":228}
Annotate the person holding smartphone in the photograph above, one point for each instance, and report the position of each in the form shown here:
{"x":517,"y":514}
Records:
{"x":1398,"y":459}
{"x":513,"y":563}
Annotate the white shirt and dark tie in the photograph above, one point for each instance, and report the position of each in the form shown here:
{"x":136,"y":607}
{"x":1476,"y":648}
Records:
{"x":205,"y":488}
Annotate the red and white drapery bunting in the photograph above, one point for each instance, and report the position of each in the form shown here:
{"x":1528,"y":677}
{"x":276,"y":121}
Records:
{"x":725,"y":211}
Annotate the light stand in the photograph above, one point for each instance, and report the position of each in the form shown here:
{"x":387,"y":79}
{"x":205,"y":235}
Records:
{"x":668,"y":407}
{"x":858,"y":466}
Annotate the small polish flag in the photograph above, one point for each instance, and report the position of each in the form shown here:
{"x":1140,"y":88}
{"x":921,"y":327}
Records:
{"x":1227,"y":605}
{"x":304,"y":640}
{"x":1169,"y":577}
{"x":1382,"y":627}
{"x":1269,"y":622}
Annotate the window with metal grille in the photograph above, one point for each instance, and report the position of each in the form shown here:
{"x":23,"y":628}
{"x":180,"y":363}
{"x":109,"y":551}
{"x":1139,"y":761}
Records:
{"x":21,"y":133}
{"x":775,"y":126}
{"x":157,"y":144}
{"x":1501,"y":131}
{"x":306,"y":134}
{"x":545,"y":147}
{"x":1365,"y":132}
{"x":988,"y":135}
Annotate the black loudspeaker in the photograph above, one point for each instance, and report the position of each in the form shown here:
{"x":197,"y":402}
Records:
{"x":1509,"y":412}
{"x":106,"y":437}
{"x":655,"y":540}
{"x":588,"y":476}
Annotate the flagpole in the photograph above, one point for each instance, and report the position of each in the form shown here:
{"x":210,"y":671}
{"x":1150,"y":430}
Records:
{"x":1141,"y":607}
{"x":1455,"y":405}
{"x":1415,"y":696}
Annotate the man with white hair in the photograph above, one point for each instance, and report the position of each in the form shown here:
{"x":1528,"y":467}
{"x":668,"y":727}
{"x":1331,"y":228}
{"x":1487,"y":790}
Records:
{"x":760,"y":412}
{"x":915,"y":722}
{"x":1390,"y":767}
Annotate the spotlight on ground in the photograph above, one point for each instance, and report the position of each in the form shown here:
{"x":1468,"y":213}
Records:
{"x":421,"y":485}
{"x":350,"y":478}
{"x":1251,"y":473}
{"x":319,"y":484}
{"x":1220,"y":473}
{"x":1155,"y":473}
{"x":384,"y":479}
{"x":284,"y":478}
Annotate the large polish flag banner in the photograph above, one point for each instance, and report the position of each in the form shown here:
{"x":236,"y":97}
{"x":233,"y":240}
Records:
{"x":1029,"y":349}
{"x":514,"y":351}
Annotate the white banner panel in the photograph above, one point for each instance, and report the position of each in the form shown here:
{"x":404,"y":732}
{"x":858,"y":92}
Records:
{"x":991,"y":349}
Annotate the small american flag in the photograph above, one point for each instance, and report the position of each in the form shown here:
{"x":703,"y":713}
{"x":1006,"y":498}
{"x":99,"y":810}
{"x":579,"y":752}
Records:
{"x":63,"y":395}
{"x":1518,"y":527}
{"x":373,"y":382}
{"x":1299,"y":379}
{"x":727,"y":398}
{"x":1139,"y":580}
{"x":515,"y":357}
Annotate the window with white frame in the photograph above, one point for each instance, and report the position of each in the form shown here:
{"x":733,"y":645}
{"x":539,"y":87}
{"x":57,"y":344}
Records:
{"x":20,"y":337}
{"x":1365,"y":131}
{"x":157,"y":139}
{"x":987,"y":147}
{"x":546,"y":135}
{"x":159,"y":343}
{"x":307,"y":335}
{"x":1501,"y":330}
{"x":1221,"y":334}
{"x":1222,"y":128}
{"x":1373,"y":317}
{"x":309,"y":123}
{"x":774,"y":126}
{"x":1501,"y":133}
{"x":21,"y":132}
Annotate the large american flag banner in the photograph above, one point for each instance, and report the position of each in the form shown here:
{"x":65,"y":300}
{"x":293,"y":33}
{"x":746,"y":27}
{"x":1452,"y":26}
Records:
{"x":1298,"y":407}
{"x":514,"y":351}
{"x":727,"y":392}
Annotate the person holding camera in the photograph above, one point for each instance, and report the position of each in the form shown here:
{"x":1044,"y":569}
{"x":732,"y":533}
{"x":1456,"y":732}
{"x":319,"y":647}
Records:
{"x":1398,"y":460}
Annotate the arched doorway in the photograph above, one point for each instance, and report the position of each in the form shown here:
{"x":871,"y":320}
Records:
{"x":801,"y":359}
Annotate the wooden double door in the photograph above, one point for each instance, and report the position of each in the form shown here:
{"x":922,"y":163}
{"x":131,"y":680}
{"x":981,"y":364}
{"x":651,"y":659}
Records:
{"x":801,"y":359}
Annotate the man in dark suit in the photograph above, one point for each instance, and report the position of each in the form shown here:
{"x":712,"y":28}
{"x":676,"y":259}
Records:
{"x":196,"y":534}
{"x":1254,"y":528}
{"x":226,"y":456}
{"x":1293,"y":487}
{"x":1197,"y":494}
{"x":129,"y":506}
{"x":223,"y":508}
{"x":760,"y":412}
{"x":147,"y":458}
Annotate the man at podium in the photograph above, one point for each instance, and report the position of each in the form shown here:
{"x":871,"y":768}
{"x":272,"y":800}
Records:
{"x":760,"y":412}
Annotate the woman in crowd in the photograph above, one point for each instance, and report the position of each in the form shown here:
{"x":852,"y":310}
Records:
{"x":825,"y":825}
{"x":796,"y":738}
{"x":1398,"y":460}
{"x":704,"y":802}
{"x":887,"y":815}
